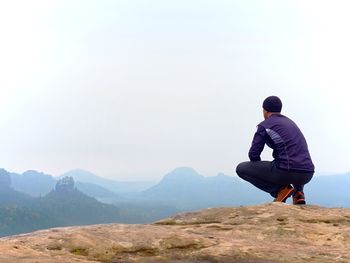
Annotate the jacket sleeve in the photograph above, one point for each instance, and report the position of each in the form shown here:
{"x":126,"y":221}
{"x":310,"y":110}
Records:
{"x":258,"y":144}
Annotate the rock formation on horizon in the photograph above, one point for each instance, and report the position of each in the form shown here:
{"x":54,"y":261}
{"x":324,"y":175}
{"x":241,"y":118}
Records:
{"x":65,"y":185}
{"x":273,"y":232}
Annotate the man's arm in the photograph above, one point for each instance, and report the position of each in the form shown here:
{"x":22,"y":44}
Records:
{"x":257,"y":144}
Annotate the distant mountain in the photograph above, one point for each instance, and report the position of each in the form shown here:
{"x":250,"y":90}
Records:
{"x":33,"y":183}
{"x":112,"y":185}
{"x":176,"y":185}
{"x":140,"y":212}
{"x":16,"y":210}
{"x":331,"y":190}
{"x":73,"y":207}
{"x":100,"y":193}
{"x":8,"y":195}
{"x":185,"y":189}
{"x":63,"y":206}
{"x":17,"y":219}
{"x":39,"y":184}
{"x":5,"y":178}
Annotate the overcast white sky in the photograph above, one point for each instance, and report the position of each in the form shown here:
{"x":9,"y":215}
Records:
{"x":132,"y":89}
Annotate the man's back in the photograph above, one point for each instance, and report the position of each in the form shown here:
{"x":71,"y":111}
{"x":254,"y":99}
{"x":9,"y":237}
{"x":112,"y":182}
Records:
{"x":292,"y":168}
{"x":290,"y":149}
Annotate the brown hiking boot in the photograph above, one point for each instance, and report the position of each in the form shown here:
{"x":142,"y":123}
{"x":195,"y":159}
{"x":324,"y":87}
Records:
{"x":284,"y":193}
{"x":299,"y":198}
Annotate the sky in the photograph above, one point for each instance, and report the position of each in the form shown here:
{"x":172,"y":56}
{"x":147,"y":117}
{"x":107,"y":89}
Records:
{"x":130,"y":90}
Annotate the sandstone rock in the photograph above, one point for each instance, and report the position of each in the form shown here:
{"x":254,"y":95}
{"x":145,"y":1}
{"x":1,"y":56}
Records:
{"x":266,"y":233}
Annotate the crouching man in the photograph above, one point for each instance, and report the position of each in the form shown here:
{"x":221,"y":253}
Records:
{"x":292,"y":166}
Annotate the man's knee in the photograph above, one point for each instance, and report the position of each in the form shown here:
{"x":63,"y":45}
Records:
{"x":241,"y":169}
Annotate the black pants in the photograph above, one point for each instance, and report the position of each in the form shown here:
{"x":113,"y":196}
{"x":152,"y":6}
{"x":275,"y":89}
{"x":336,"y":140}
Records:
{"x":267,"y":177}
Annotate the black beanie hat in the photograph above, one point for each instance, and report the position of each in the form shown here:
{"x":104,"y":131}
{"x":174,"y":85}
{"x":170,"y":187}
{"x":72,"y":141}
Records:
{"x":272,"y":104}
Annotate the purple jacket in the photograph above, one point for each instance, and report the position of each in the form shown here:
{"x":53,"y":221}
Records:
{"x":290,"y":149}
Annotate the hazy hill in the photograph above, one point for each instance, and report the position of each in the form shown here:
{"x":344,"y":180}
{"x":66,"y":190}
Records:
{"x":33,"y":183}
{"x":112,"y":185}
{"x":73,"y":207}
{"x":100,"y":193}
{"x":187,"y":190}
{"x":16,"y":210}
{"x":9,"y":196}
{"x":17,"y":219}
{"x":39,"y":184}
{"x":269,"y":233}
{"x":63,"y":206}
{"x":331,"y":191}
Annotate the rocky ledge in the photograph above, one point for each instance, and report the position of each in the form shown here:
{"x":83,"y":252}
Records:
{"x":274,"y":232}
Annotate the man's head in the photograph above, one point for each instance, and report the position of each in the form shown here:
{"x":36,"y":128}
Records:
{"x":272,"y":105}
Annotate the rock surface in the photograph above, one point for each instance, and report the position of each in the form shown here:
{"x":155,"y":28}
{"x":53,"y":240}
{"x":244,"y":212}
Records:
{"x":273,"y":232}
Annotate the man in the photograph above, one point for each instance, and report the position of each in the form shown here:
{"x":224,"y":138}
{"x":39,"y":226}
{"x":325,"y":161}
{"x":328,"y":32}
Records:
{"x":292,"y":166}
